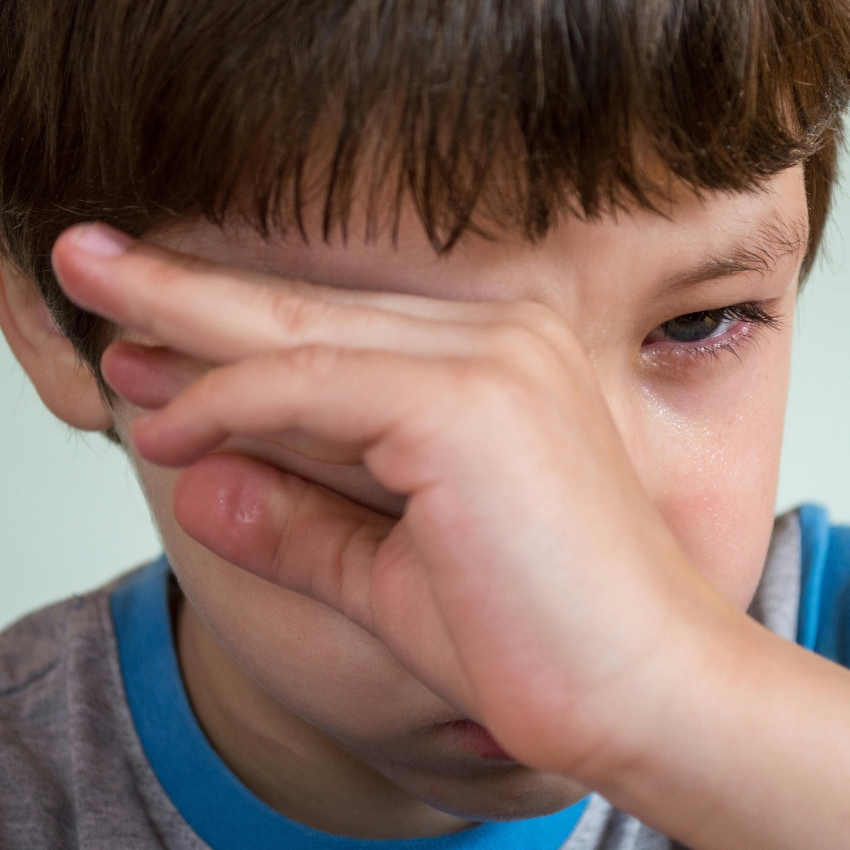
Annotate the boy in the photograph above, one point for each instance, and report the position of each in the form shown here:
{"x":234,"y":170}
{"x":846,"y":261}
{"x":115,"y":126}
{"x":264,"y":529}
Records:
{"x":452,"y":360}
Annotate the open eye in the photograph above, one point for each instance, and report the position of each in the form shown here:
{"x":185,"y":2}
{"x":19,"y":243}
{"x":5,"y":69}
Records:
{"x":694,"y":327}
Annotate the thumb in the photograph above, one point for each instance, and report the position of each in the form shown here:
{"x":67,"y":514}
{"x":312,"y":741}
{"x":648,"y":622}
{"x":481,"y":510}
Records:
{"x":289,"y":531}
{"x":306,"y":538}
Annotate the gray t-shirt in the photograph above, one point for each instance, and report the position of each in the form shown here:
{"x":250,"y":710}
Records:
{"x":75,"y":774}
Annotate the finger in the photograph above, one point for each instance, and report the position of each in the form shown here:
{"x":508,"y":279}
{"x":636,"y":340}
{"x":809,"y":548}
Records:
{"x":220,"y":314}
{"x":281,"y":528}
{"x":348,"y":397}
{"x":148,"y":376}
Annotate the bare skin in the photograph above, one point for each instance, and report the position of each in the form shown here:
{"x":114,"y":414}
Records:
{"x":517,"y":501}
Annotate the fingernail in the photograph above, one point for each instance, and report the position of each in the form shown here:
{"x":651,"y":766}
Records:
{"x":102,"y":241}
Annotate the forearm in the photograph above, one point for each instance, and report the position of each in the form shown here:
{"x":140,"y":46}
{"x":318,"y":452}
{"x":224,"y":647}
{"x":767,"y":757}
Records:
{"x":750,"y":749}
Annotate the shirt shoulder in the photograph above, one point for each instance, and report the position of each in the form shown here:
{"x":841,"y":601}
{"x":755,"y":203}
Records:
{"x":81,"y":779}
{"x":37,"y":809}
{"x":40,"y":653}
{"x":31,"y":648}
{"x":824,"y":624}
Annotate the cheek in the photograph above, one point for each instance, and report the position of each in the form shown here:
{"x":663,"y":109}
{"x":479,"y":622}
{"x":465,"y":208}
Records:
{"x":721,"y":509}
{"x":710,"y":461}
{"x":307,"y":658}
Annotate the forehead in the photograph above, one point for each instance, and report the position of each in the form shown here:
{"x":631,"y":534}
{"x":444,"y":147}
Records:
{"x":752,"y":227}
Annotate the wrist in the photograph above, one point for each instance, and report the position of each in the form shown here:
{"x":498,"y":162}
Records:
{"x":670,"y":708}
{"x":720,"y":752}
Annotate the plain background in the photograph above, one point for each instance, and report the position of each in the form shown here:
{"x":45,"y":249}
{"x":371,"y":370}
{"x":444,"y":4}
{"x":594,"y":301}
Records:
{"x":72,"y":515}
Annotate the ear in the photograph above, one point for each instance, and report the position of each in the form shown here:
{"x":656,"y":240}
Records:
{"x":65,"y":385}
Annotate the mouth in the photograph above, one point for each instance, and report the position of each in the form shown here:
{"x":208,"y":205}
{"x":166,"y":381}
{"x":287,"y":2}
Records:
{"x":476,"y":740}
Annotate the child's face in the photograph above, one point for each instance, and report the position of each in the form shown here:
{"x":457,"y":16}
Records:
{"x":702,"y":421}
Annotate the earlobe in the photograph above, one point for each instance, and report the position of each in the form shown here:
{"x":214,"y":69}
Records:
{"x":66,"y":386}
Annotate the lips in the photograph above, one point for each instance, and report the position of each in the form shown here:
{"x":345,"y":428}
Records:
{"x":476,"y":740}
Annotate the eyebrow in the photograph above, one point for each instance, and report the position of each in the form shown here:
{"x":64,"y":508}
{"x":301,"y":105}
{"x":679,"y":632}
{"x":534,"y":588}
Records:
{"x":776,"y":238}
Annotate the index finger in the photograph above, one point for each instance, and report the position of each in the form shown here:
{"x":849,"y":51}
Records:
{"x":219,"y":314}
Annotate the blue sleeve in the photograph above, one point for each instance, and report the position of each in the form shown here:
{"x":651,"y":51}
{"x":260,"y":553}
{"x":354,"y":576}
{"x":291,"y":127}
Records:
{"x":824,"y":620}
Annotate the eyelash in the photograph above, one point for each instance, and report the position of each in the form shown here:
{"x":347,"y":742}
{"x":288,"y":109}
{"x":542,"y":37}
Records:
{"x":757,"y":316}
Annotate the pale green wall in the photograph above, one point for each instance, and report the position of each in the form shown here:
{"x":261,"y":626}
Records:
{"x":816,"y":458}
{"x":72,"y":516}
{"x":71,"y":512}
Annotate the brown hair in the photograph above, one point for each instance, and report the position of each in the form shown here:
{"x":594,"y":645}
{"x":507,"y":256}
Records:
{"x":138,"y":112}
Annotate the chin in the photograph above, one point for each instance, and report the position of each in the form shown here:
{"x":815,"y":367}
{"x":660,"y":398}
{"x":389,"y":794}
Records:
{"x":497,"y":792}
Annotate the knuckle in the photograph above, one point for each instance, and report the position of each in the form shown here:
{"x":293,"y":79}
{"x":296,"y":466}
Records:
{"x":166,"y":270}
{"x":297,"y":316}
{"x":539,"y":317}
{"x":317,"y":361}
{"x":522,"y":348}
{"x":544,"y":321}
{"x":488,"y":388}
{"x":163,"y":275}
{"x":532,"y":313}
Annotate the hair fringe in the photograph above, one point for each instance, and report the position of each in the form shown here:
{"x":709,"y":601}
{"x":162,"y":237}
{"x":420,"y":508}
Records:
{"x":482,"y":113}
